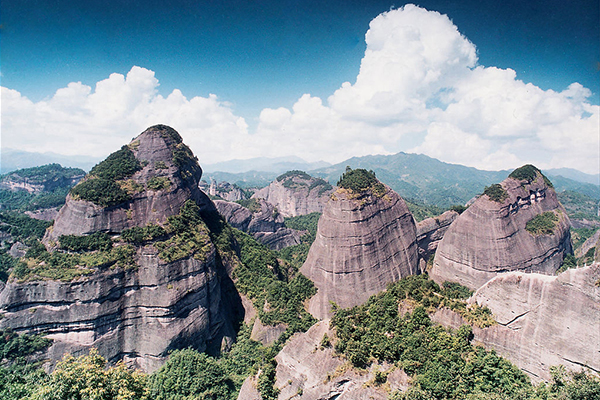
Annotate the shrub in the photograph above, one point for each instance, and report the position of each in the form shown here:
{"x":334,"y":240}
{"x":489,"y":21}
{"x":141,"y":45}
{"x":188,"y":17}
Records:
{"x":100,"y":191}
{"x":251,"y":204}
{"x":529,"y":173}
{"x":360,"y":180}
{"x":95,"y":241}
{"x":139,"y":235}
{"x":293,"y":174}
{"x":496,"y":193}
{"x":542,"y":224}
{"x":159,"y":183}
{"x":119,"y":165}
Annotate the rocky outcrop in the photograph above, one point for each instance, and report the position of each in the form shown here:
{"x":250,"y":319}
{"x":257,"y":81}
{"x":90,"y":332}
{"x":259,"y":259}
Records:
{"x":364,"y":241}
{"x":154,"y":302}
{"x":542,"y":320}
{"x":593,"y":242}
{"x":163,"y":156}
{"x":490,"y":237}
{"x":137,"y":315}
{"x":46,"y":178}
{"x":223,"y":190}
{"x":261,"y":220}
{"x":296,"y":193}
{"x":308,"y":371}
{"x":430,"y":232}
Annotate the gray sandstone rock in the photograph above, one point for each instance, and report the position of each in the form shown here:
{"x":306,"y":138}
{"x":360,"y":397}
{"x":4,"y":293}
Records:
{"x":141,"y":313}
{"x":362,"y":244}
{"x":490,"y":237}
{"x":296,"y":194}
{"x":266,"y":225}
{"x":430,"y":232}
{"x":542,"y":320}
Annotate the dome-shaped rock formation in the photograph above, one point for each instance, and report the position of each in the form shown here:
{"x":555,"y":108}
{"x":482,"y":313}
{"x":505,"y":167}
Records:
{"x":517,"y":225}
{"x":143,"y":183}
{"x":133,"y":271}
{"x":261,"y":220}
{"x":296,"y":193}
{"x":366,"y":238}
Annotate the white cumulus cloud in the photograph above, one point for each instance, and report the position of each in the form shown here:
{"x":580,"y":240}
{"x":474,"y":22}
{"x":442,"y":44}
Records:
{"x":80,"y":121}
{"x":420,"y":89}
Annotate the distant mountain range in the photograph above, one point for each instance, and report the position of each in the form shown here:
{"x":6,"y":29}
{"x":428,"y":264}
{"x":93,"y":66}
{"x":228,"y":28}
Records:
{"x":414,"y":176}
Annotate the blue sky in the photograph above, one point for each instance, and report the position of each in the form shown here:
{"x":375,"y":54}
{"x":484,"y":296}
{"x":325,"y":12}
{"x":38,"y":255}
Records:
{"x":267,"y":54}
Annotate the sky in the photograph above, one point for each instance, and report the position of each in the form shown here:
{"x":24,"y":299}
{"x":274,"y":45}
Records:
{"x":489,"y":84}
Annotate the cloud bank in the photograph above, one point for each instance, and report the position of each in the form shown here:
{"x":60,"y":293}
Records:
{"x":419,"y":89}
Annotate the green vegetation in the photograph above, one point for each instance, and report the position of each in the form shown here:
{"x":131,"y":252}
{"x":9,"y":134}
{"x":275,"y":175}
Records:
{"x":189,"y":235}
{"x":579,"y":206}
{"x":7,"y":262}
{"x":95,"y":241}
{"x":580,"y":235}
{"x":422,"y":211}
{"x":22,"y":226}
{"x":459,"y":208}
{"x":261,"y":278}
{"x":542,"y":224}
{"x":251,"y":204}
{"x":293,"y":174}
{"x":441,"y":362}
{"x":322,"y":184}
{"x":496,"y":193}
{"x":568,"y":262}
{"x":18,"y":377}
{"x":139,"y":235}
{"x":160,"y":165}
{"x":45,"y":174}
{"x":528,"y":173}
{"x":190,"y":375}
{"x":159,"y":183}
{"x":296,"y":255}
{"x":185,"y":160}
{"x":119,"y":165}
{"x":89,"y":377}
{"x":101,"y":187}
{"x":102,"y":192}
{"x":360,"y":180}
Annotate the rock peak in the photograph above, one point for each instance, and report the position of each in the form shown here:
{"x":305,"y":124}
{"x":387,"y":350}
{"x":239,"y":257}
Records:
{"x":144,"y":182}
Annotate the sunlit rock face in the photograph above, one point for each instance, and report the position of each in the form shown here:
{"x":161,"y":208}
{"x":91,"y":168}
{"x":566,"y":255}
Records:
{"x":264,"y":223}
{"x":363,"y":243}
{"x":161,"y":154}
{"x":140,"y":312}
{"x":542,"y":320}
{"x":296,"y":193}
{"x":490,"y":237}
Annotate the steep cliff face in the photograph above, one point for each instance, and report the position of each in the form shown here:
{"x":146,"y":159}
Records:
{"x":142,"y":291}
{"x":519,"y":225}
{"x":364,"y":241}
{"x":161,"y":176}
{"x":430,"y":232}
{"x":261,"y":220}
{"x":296,"y":193}
{"x":542,"y":320}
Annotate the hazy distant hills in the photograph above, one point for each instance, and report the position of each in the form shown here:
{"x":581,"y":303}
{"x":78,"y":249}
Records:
{"x":413,"y":176}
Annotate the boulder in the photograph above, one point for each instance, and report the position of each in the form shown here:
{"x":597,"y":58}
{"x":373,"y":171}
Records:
{"x":296,"y":193}
{"x":490,"y":237}
{"x":364,"y":242}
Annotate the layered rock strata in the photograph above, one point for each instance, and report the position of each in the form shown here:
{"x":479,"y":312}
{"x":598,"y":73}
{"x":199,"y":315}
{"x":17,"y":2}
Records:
{"x":490,"y":237}
{"x":165,"y":295}
{"x":264,"y":223}
{"x":364,"y":241}
{"x":164,"y":158}
{"x":296,"y":193}
{"x":542,"y":320}
{"x":430,"y":232}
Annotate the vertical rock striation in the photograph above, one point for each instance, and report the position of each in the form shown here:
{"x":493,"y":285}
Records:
{"x":364,"y":241}
{"x":491,"y":236}
{"x":296,"y":193}
{"x":169,"y":292}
